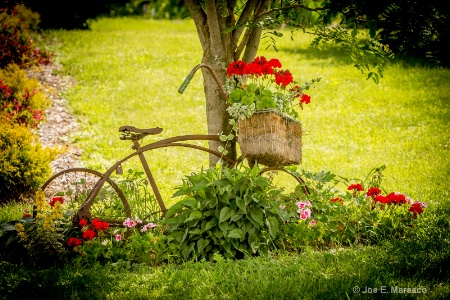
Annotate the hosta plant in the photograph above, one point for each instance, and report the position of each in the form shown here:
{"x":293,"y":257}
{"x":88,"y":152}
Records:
{"x":231,"y":212}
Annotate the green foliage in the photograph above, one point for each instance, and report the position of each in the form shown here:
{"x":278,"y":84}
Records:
{"x":21,"y":100}
{"x":24,"y":163}
{"x":39,"y":241}
{"x":347,"y":217}
{"x":231,"y":212}
{"x":16,"y":42}
{"x":164,"y":9}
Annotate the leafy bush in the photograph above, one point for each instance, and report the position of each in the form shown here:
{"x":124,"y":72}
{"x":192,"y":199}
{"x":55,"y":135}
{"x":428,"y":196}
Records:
{"x":36,"y":241}
{"x":230,"y":212}
{"x":16,"y":42}
{"x":20,"y":99}
{"x":24,"y":163}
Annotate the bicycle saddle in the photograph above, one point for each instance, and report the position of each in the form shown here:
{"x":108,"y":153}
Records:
{"x":132,"y":129}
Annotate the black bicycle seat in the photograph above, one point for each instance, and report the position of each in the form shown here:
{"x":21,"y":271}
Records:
{"x":132,"y":129}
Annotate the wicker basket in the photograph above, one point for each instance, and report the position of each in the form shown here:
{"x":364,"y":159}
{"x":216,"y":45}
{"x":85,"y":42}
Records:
{"x":270,"y":138}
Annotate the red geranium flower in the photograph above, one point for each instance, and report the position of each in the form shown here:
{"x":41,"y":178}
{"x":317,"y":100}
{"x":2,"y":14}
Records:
{"x":73,"y":241}
{"x":82,"y":222}
{"x":236,"y":68}
{"x":305,"y":99}
{"x":56,"y":199}
{"x":89,"y":234}
{"x":416,"y":209}
{"x":356,"y":187}
{"x":100,"y":225}
{"x":381,"y":199}
{"x":373,"y":191}
{"x":283,"y":77}
{"x":396,"y":198}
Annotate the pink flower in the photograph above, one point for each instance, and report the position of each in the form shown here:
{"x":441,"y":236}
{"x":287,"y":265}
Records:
{"x":313,"y":222}
{"x":282,"y":206}
{"x":148,"y":226}
{"x":303,"y":216}
{"x":301,"y":204}
{"x":308,"y":203}
{"x":129,"y":223}
{"x":307,"y":212}
{"x":118,"y":237}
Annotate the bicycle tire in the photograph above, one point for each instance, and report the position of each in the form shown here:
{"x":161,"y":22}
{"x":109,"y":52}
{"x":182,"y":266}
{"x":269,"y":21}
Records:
{"x":75,"y":185}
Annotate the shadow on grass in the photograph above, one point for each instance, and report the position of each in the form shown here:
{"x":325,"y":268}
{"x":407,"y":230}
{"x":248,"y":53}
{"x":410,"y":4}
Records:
{"x":338,"y":55}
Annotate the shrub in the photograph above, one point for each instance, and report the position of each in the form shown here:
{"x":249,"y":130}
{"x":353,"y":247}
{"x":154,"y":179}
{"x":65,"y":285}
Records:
{"x":16,"y":42}
{"x":20,"y":99}
{"x":24,"y":163}
{"x":227,"y":212}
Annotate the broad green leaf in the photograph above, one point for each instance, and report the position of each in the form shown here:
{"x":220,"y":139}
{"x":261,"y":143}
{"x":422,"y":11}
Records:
{"x":236,"y":234}
{"x":210,"y":224}
{"x":187,"y":251}
{"x":257,"y":215}
{"x":241,"y":204}
{"x":201,"y":244}
{"x":196,"y":231}
{"x":225,"y":214}
{"x":194,"y":216}
{"x":252,"y":87}
{"x":224,"y":227}
{"x":273,"y":226}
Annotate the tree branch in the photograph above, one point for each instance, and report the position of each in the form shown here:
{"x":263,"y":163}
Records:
{"x":289,"y":7}
{"x":245,"y":15}
{"x":212,"y":20}
{"x":251,"y":47}
{"x":199,"y":17}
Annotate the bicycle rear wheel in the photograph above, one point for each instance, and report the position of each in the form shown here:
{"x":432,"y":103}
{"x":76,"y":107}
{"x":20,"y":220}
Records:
{"x":75,"y":185}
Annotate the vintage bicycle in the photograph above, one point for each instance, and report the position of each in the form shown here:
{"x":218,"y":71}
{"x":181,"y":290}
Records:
{"x":90,"y":194}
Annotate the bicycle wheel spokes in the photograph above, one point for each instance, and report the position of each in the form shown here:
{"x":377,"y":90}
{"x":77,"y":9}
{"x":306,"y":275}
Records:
{"x":75,"y":186}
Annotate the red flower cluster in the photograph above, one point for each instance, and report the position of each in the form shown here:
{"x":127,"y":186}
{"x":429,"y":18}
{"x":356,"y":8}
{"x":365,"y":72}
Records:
{"x":283,"y":77}
{"x":399,"y":199}
{"x":355,"y":187}
{"x":89,"y":234}
{"x":373,"y":192}
{"x":305,"y":99}
{"x":392,"y":198}
{"x":416,"y":209}
{"x":99,"y":226}
{"x":73,"y":241}
{"x":56,"y":199}
{"x":258,"y":67}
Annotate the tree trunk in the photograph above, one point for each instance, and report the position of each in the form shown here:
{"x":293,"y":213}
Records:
{"x":220,"y":49}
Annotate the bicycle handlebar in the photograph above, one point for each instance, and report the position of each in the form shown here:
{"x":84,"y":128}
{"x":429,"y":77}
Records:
{"x":191,"y":75}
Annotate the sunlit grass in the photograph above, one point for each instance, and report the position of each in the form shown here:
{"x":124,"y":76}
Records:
{"x":129,"y":70}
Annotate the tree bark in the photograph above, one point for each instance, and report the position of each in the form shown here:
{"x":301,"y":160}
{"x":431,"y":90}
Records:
{"x":219,"y":50}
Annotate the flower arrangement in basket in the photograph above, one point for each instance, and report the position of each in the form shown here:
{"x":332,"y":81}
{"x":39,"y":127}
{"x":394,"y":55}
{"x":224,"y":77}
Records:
{"x":262,"y":100}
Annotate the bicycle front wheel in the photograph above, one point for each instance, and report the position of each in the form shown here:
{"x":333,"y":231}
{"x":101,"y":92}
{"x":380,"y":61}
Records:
{"x":75,"y":185}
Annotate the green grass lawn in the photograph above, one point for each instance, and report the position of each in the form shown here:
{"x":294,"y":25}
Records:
{"x":128,"y":72}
